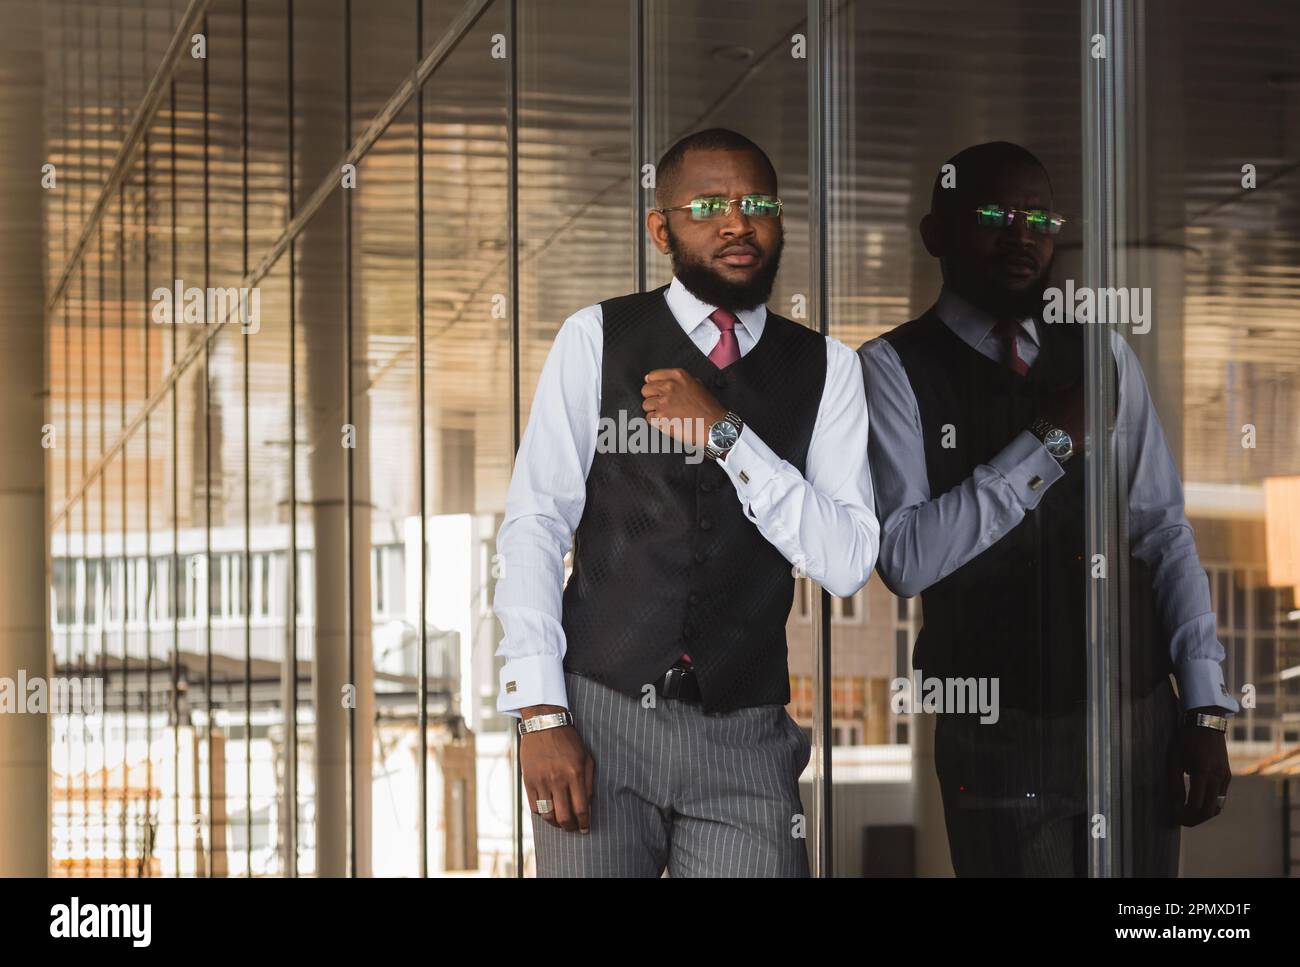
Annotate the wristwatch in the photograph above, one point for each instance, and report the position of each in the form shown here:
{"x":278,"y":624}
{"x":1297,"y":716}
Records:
{"x":1206,"y":721}
{"x":540,"y":723}
{"x":723,"y":435}
{"x":1057,"y":441}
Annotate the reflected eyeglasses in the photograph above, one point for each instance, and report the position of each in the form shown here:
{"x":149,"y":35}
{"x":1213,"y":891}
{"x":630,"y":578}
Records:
{"x":715,"y":206}
{"x":1039,"y":220}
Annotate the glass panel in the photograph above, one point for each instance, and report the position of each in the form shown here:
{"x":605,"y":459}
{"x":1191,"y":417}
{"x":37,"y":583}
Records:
{"x":269,"y":382}
{"x":1207,"y":254}
{"x":570,"y":214}
{"x":949,"y":756}
{"x":467,"y":446}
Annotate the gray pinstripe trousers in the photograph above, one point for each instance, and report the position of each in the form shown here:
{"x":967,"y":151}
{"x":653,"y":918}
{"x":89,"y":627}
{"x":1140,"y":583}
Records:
{"x":676,"y":789}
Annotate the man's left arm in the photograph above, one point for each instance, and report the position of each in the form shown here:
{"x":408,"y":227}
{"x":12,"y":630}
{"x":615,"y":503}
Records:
{"x":824,"y":521}
{"x":1161,"y":536}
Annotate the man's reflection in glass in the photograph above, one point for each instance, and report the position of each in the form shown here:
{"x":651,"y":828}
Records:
{"x":976,"y":450}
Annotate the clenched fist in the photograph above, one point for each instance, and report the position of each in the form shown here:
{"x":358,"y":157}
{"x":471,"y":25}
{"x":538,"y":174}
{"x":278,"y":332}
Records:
{"x":673,"y":399}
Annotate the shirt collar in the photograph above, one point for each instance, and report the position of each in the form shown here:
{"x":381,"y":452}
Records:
{"x":690,"y":311}
{"x":972,"y":323}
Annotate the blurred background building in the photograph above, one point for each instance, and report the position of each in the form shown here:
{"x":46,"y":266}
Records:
{"x":270,"y":537}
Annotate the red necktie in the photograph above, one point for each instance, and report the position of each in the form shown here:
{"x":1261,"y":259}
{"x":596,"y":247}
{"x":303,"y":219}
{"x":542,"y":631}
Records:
{"x":1007,"y":330}
{"x":727,"y":351}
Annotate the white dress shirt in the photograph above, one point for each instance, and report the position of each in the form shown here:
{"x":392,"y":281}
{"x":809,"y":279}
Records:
{"x":824,"y":523}
{"x":926,"y":538}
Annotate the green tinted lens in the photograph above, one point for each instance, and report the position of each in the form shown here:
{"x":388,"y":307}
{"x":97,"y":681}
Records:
{"x":992,"y":215}
{"x":707,"y":207}
{"x":760,"y":206}
{"x":1042,"y":222}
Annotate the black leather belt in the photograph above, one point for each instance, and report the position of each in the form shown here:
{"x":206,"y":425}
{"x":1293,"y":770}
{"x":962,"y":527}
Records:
{"x":680,"y":683}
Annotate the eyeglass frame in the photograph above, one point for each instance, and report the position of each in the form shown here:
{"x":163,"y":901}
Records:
{"x":1025,"y":212}
{"x":780,"y":206}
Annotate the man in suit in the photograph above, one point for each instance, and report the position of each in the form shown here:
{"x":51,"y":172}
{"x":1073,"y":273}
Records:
{"x":651,"y":692}
{"x":977,"y":432}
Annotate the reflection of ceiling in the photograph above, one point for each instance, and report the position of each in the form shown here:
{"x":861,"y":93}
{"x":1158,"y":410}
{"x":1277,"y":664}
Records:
{"x":915,"y":81}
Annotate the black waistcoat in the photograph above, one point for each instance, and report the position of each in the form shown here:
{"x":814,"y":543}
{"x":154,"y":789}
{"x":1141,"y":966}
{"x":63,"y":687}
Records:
{"x":1018,"y":610}
{"x":665,"y":560}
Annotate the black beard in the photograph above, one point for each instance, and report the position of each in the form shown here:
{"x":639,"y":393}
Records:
{"x":706,"y":285}
{"x":1000,"y":303}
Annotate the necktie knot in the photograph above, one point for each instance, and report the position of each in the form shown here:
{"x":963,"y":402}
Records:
{"x":723,"y":319}
{"x":727,"y":351}
{"x":1008,"y":330}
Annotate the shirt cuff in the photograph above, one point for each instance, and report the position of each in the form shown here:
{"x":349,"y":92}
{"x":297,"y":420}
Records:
{"x":750,"y":464}
{"x":1200,"y":683}
{"x":533,"y":680}
{"x":1028,"y":468}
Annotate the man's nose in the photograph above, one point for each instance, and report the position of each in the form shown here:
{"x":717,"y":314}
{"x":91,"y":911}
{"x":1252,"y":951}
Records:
{"x":1019,"y":234}
{"x":735,"y":224}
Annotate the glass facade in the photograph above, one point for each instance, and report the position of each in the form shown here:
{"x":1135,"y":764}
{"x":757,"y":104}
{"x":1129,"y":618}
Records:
{"x":305,"y":261}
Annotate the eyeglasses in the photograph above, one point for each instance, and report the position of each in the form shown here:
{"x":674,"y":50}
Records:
{"x":714,"y":206}
{"x":1038,"y":219}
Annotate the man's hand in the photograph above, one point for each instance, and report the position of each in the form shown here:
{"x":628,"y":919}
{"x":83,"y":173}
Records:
{"x":556,"y":766}
{"x":1203,"y":755}
{"x":675,"y":396}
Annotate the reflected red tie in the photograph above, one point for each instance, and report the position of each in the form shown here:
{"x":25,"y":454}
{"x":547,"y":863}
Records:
{"x":1008,"y":330}
{"x":727,"y":351}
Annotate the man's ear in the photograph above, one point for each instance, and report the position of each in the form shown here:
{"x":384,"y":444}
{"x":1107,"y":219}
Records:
{"x":656,"y":225}
{"x":933,"y":236}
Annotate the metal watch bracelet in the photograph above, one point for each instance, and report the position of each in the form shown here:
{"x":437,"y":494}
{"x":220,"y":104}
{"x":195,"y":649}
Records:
{"x":548,"y":720}
{"x":1206,"y":721}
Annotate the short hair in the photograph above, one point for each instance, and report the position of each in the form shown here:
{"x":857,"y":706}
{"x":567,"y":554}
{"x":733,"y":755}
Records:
{"x":978,"y":160}
{"x":711,"y":139}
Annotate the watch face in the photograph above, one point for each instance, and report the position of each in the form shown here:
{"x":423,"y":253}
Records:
{"x":722,"y":435}
{"x":1058,"y":443}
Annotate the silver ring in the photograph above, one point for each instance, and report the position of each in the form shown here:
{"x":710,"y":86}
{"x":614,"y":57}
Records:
{"x":544,"y":806}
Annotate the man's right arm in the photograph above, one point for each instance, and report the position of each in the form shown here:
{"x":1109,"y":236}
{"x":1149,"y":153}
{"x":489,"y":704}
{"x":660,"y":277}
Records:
{"x":544,"y":504}
{"x":923,"y":540}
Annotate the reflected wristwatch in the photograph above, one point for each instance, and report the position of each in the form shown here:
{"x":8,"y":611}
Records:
{"x":1057,"y":441}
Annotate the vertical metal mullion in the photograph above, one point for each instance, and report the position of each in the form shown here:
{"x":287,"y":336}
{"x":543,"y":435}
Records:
{"x":423,"y":688}
{"x":207,"y":472}
{"x":84,"y":730}
{"x":121,"y":312}
{"x":144,"y":868}
{"x":69,"y":567}
{"x":291,"y":769}
{"x":126,"y":575}
{"x":818,"y":79}
{"x":174,"y":576}
{"x":349,"y":542}
{"x":1099,"y":83}
{"x":640,"y":137}
{"x":248,"y":511}
{"x":512,"y":230}
{"x":103,"y":476}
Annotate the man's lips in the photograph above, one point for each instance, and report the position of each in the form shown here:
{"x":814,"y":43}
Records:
{"x":739,"y":256}
{"x":1020,"y":266}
